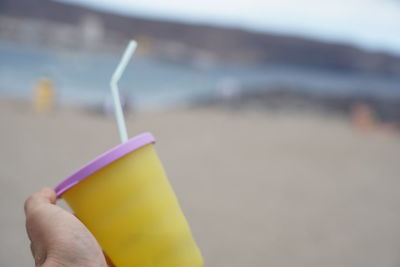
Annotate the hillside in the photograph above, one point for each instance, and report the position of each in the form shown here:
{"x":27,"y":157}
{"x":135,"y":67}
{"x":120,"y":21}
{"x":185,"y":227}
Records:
{"x":186,"y":41}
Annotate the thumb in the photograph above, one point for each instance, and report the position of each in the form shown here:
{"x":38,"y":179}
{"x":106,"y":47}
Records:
{"x":34,"y":207}
{"x":44,"y":196}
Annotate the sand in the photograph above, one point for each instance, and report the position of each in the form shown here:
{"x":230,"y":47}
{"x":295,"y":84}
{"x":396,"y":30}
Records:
{"x":258,"y":189}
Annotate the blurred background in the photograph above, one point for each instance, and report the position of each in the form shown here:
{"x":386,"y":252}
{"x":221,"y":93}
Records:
{"x":277,"y":121}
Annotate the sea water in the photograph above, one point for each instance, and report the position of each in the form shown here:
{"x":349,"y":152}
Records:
{"x":83,"y":77}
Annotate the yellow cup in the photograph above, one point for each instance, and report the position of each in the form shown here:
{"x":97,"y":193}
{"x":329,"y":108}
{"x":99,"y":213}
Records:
{"x":124,"y":198}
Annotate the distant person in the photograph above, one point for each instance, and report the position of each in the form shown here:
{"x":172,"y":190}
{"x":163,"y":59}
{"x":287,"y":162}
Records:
{"x":43,"y":98}
{"x":228,"y":91}
{"x":363,"y":117}
{"x":108,"y":105}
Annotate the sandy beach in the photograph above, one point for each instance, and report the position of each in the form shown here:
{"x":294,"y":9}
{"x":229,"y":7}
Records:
{"x":258,"y":189}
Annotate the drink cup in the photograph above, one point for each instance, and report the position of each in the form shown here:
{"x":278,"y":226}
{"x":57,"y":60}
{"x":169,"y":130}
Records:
{"x":124,"y":198}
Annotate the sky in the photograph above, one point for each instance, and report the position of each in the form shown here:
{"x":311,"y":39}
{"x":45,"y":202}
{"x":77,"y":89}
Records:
{"x":369,"y":24}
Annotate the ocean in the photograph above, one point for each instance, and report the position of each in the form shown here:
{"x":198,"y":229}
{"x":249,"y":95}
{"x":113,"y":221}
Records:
{"x":83,"y":78}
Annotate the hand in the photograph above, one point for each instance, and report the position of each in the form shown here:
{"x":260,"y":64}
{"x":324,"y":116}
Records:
{"x":57,"y":237}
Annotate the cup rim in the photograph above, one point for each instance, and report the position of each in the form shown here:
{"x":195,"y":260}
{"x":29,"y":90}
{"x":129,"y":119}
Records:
{"x":103,"y":160}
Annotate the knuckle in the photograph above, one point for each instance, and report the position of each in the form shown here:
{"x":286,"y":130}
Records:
{"x":28,"y":202}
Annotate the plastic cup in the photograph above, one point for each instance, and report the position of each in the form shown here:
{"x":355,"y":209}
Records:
{"x":124,"y":198}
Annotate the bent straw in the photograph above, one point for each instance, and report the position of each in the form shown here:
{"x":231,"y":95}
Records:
{"x":130,"y":49}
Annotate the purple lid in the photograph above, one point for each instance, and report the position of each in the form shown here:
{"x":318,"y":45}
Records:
{"x":103,"y":160}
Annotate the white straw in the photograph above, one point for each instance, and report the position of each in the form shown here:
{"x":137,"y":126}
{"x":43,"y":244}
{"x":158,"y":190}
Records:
{"x":130,"y":49}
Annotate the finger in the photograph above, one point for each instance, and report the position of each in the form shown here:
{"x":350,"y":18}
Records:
{"x":46,"y":195}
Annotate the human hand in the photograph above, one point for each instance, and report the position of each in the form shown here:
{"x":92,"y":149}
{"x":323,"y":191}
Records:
{"x":57,"y":237}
